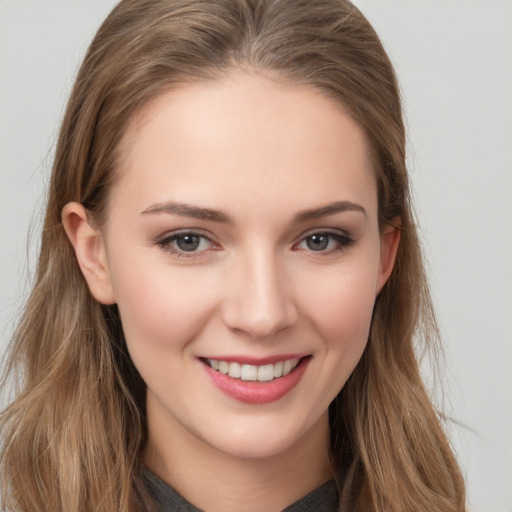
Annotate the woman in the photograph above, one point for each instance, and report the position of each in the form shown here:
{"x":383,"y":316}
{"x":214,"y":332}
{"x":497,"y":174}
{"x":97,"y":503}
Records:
{"x":230,"y":280}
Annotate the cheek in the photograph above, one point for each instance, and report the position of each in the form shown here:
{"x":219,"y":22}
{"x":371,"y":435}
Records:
{"x":161,"y":307}
{"x":341,"y":305}
{"x":341,"y":311}
{"x":162,"y":313}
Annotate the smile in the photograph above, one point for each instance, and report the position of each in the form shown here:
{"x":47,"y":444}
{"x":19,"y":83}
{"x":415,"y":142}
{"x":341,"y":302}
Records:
{"x":249,"y":372}
{"x":262,"y":383}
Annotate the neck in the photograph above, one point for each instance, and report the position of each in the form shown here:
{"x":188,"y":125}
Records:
{"x":216,"y":481}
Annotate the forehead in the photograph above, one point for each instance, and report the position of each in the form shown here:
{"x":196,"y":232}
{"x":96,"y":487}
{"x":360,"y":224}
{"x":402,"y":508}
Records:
{"x":247,"y":135}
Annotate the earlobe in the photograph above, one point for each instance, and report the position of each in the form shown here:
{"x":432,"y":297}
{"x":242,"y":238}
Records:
{"x":89,"y":250}
{"x":390,"y":240}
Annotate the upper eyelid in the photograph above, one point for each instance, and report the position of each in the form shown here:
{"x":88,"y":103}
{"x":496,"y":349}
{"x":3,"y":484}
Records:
{"x":183,"y":232}
{"x":324,"y":231}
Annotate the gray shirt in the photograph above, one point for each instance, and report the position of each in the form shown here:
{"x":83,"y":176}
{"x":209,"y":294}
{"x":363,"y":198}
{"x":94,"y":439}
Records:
{"x":323,"y":499}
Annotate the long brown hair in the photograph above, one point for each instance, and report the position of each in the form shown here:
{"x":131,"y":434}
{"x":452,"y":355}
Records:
{"x":73,"y":435}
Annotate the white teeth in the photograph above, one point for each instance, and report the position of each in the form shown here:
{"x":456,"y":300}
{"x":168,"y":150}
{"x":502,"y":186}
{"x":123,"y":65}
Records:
{"x":278,"y":369}
{"x":262,"y":373}
{"x":249,"y":372}
{"x":235,"y":370}
{"x":224,"y":367}
{"x":287,"y":367}
{"x":266,"y":372}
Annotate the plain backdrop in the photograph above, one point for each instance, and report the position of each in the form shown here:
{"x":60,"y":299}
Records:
{"x":454,"y":62}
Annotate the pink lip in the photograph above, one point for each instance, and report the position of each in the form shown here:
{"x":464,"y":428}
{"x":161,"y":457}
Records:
{"x":253,"y":392}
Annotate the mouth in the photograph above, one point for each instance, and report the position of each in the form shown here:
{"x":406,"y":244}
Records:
{"x":254,"y":373}
{"x":262,"y":383}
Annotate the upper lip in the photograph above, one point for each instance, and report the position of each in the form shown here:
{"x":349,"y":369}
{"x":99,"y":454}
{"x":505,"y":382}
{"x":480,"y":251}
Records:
{"x":256,"y":361}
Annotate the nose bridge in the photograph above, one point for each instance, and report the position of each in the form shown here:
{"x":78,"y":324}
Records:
{"x":259,"y":302}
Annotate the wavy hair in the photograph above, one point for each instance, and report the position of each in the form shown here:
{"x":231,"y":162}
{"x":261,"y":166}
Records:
{"x":73,"y":435}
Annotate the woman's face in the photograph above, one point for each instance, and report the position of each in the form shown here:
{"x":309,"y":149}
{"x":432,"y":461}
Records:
{"x":243,"y":250}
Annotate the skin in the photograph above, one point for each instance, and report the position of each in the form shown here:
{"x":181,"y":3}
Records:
{"x":261,"y":152}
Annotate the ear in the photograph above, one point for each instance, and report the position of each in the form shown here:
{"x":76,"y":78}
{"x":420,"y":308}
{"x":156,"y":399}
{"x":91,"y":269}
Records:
{"x":89,"y":250}
{"x":389,"y":241}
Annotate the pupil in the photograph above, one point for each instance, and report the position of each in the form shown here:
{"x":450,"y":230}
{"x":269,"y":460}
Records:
{"x":188,"y":242}
{"x":318,"y":242}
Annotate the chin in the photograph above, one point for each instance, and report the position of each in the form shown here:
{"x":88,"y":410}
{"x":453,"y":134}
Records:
{"x":256,"y":439}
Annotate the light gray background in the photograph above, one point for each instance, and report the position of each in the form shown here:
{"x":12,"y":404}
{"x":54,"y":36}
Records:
{"x":454,"y":61}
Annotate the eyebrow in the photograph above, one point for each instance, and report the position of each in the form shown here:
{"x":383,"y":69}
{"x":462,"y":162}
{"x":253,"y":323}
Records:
{"x":187,"y":210}
{"x":197,"y":212}
{"x":329,"y":209}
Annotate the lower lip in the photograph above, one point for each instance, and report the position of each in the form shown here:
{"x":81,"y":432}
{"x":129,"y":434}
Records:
{"x":252,"y":392}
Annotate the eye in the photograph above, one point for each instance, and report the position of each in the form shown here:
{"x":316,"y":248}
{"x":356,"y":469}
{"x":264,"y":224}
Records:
{"x":186,"y":244}
{"x":189,"y":243}
{"x":326,"y":242}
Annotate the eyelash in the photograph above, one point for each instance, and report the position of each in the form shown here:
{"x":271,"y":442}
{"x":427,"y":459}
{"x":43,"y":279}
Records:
{"x":343,"y":242}
{"x":166,"y":244}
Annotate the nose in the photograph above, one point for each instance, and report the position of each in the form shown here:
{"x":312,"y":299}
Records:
{"x":258,"y":301}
